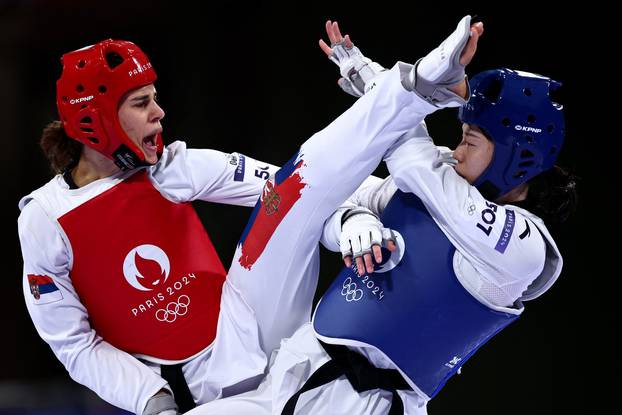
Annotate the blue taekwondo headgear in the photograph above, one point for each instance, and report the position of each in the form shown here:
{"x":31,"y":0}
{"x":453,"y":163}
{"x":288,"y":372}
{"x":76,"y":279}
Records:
{"x":514,"y":109}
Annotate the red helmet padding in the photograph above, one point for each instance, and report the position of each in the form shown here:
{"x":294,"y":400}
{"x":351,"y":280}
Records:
{"x":89,"y":92}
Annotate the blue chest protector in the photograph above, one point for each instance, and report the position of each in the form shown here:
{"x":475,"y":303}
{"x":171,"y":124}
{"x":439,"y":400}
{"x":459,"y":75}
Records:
{"x":417,"y":313}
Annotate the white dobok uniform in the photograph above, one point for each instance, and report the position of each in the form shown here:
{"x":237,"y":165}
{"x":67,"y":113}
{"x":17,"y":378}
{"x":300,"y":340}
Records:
{"x":496,"y":279}
{"x":270,"y":284}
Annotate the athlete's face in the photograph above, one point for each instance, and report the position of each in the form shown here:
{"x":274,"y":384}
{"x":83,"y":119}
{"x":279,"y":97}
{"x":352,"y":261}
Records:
{"x":473,"y":154}
{"x":140,"y":115}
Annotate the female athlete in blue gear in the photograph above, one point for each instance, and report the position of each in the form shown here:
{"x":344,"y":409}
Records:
{"x":469,"y":251}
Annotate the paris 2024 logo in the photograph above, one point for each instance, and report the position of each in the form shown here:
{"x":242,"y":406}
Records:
{"x":146,"y":267}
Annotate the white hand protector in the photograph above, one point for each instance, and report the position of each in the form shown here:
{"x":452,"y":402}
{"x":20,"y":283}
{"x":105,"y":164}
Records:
{"x":361,"y":229}
{"x":356,"y":69}
{"x":441,"y":68}
{"x":161,"y":404}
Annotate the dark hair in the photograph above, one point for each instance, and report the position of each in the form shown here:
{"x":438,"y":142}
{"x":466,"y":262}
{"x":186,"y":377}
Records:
{"x":552,"y":195}
{"x":62,"y":151}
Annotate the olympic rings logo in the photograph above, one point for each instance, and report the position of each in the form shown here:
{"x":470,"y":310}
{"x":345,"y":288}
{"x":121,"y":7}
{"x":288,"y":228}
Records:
{"x":350,"y":291}
{"x":174,"y":309}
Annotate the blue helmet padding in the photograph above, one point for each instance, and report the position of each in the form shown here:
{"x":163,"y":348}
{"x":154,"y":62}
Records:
{"x":514,"y":109}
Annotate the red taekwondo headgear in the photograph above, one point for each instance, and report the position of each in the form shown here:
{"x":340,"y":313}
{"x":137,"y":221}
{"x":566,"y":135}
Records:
{"x":89,"y":92}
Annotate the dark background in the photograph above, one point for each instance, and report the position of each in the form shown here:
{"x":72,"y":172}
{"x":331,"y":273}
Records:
{"x":251,"y":78}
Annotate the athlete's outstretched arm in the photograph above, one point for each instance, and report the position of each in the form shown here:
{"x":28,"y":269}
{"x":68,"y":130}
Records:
{"x":356,"y":70}
{"x":436,"y":77}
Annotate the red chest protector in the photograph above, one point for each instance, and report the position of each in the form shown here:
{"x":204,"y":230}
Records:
{"x":146,"y":271}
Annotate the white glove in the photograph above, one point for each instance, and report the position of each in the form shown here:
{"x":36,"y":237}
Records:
{"x":356,"y":69}
{"x":360,"y":230}
{"x":162,"y":403}
{"x":432,"y":75}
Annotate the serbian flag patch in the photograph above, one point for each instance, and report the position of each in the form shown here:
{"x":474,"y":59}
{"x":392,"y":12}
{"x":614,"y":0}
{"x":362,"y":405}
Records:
{"x":279,"y":194}
{"x":43,"y":289}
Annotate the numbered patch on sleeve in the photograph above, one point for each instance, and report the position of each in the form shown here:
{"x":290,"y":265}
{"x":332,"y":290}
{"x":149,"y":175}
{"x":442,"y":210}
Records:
{"x":240,"y":162}
{"x":487,"y":220}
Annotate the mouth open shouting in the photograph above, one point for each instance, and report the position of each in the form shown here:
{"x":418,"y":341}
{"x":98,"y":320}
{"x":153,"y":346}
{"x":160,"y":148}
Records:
{"x":150,"y":147}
